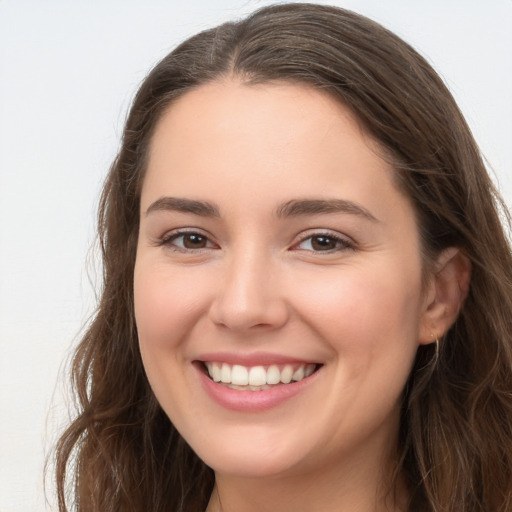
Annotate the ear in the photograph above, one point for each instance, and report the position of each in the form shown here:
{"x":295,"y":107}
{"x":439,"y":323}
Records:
{"x":445,"y":295}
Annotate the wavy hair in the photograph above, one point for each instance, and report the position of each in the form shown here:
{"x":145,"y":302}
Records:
{"x":122,"y":453}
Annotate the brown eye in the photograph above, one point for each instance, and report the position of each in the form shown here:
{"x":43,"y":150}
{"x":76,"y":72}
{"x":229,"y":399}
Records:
{"x":187,"y":241}
{"x":194,"y":241}
{"x":323,"y":243}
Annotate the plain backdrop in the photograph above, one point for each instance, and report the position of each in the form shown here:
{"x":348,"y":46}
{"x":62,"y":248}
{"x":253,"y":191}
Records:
{"x":68,"y":71}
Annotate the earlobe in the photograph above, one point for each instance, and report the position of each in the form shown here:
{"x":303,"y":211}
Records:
{"x":448,"y":289}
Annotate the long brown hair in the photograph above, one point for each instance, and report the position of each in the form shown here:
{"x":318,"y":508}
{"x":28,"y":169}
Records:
{"x":122,"y":453}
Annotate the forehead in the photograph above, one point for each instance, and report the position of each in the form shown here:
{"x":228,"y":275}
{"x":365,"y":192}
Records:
{"x":275,"y":132}
{"x":247,"y":107}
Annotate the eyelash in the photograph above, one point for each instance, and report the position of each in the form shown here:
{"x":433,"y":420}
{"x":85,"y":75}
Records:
{"x":167,"y":240}
{"x":341,"y":243}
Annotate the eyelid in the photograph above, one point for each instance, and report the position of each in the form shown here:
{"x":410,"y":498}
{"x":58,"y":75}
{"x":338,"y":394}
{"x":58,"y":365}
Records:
{"x":343,"y":241}
{"x":167,"y":239}
{"x":346,"y":243}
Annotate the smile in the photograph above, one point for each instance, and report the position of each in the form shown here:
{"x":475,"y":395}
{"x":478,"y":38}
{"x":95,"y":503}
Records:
{"x":257,"y":378}
{"x":258,"y":385}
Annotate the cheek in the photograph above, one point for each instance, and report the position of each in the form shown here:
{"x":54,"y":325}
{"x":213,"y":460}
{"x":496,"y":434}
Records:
{"x":370,"y":321}
{"x":155,"y":309}
{"x":168,"y":309}
{"x":369,"y":306}
{"x":166,"y":305}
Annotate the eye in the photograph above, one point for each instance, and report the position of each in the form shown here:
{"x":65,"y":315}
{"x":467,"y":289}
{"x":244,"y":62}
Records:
{"x":324,"y":242}
{"x":187,"y":241}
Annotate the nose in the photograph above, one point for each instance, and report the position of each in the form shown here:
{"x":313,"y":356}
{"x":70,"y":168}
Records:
{"x":249,"y":297}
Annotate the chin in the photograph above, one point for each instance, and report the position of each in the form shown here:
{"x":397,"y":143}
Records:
{"x":245,"y":466}
{"x":249,"y":457}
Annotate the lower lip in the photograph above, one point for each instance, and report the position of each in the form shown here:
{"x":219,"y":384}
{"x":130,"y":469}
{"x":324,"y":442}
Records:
{"x":253,"y":401}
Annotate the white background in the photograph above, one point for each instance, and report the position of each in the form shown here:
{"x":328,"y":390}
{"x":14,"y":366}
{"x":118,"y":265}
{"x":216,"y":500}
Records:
{"x":68,"y":70}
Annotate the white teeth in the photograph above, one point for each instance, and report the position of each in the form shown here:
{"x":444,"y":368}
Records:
{"x":257,"y":377}
{"x":273,"y":375}
{"x":298,"y":374}
{"x":225,"y":373}
{"x":310,"y":368}
{"x":215,"y":373}
{"x":248,"y":388}
{"x":287,"y":374}
{"x":239,"y":375}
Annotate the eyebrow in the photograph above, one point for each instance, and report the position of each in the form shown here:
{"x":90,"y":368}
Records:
{"x":297,"y":207}
{"x":292,"y":208}
{"x":179,"y":204}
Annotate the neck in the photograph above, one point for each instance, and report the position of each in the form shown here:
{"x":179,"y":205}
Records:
{"x":357,"y":488}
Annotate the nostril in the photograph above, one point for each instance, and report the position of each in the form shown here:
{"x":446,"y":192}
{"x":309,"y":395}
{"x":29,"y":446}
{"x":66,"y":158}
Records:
{"x":249,"y":316}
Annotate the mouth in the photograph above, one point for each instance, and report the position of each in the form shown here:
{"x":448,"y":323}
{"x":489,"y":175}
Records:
{"x":257,"y":378}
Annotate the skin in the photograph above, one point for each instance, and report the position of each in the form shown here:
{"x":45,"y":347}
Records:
{"x":261,"y":282}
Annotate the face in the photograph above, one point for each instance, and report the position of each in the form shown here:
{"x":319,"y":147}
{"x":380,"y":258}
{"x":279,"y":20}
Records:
{"x":278,"y":293}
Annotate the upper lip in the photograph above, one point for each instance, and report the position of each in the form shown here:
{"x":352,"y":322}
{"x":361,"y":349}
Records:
{"x":253,"y":359}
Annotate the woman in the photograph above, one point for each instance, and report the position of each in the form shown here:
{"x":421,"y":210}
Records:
{"x":307,"y":288}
